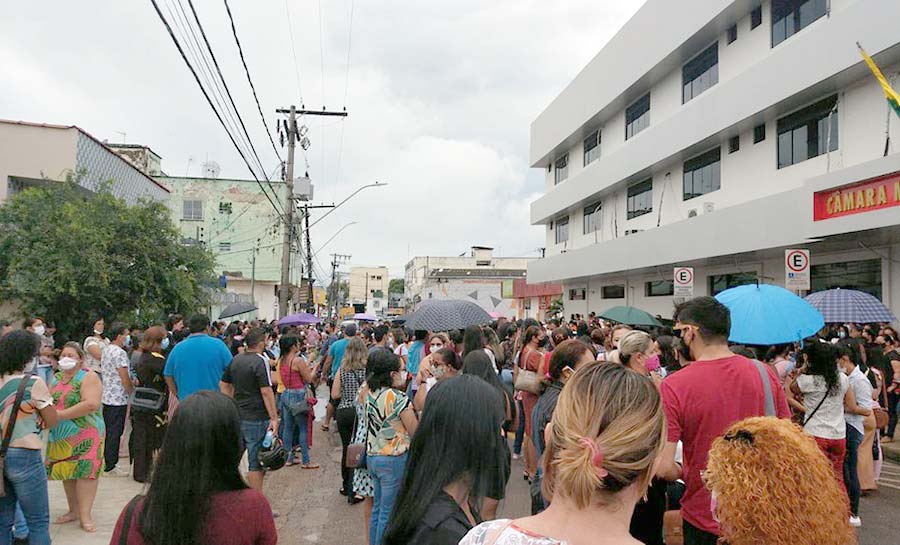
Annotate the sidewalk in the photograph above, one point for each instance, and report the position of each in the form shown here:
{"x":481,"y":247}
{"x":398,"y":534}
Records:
{"x":891,"y":450}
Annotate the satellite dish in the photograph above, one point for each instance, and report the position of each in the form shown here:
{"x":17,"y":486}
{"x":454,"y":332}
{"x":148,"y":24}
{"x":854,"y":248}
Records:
{"x":211,"y":169}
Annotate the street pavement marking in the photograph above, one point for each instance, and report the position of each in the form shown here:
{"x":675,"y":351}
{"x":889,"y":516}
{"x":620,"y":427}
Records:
{"x":890,"y":475}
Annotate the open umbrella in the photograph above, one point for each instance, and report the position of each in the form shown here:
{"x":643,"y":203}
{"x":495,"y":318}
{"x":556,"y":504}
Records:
{"x":364,"y":317}
{"x":765,"y":315}
{"x":840,"y":306}
{"x":235,"y":309}
{"x":630,"y":316}
{"x":301,"y":318}
{"x":445,"y":315}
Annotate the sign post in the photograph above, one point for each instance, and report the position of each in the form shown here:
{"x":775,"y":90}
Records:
{"x":683,"y":282}
{"x":796,"y":270}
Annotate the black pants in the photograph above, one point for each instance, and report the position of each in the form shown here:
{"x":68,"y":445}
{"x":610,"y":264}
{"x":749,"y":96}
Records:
{"x":114,"y":418}
{"x":696,"y":536}
{"x":892,"y":398}
{"x":346,"y":422}
{"x":149,"y":430}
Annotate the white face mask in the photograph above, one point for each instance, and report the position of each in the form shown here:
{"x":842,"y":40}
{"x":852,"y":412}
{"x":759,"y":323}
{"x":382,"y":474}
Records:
{"x":67,"y":363}
{"x":39,"y":330}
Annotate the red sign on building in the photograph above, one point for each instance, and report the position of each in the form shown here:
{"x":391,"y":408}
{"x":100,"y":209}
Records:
{"x":856,"y":198}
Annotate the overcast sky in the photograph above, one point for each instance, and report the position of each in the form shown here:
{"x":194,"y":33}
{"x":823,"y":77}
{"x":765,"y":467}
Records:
{"x":441,"y":96}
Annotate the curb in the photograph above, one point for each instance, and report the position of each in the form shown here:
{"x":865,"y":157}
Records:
{"x":891,"y":452}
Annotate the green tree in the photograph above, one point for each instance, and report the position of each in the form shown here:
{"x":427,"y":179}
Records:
{"x":70,"y":257}
{"x":396,"y":285}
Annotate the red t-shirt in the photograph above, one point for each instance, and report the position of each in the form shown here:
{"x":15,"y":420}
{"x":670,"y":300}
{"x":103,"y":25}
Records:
{"x":239,"y":517}
{"x":701,"y":402}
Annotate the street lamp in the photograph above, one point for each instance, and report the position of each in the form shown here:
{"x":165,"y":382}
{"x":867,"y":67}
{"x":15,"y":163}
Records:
{"x":325,"y":215}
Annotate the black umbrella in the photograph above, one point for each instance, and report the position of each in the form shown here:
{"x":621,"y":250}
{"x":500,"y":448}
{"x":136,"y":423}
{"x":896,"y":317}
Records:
{"x":446,"y":315}
{"x":236,"y":308}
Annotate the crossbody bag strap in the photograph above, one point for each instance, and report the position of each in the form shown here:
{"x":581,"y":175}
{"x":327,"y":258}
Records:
{"x":767,"y":387}
{"x":11,"y":425}
{"x":129,"y":513}
{"x":812,"y":414}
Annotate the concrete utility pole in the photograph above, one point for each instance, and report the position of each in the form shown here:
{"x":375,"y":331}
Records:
{"x":310,"y":303}
{"x":293,"y":136}
{"x":336,"y":260}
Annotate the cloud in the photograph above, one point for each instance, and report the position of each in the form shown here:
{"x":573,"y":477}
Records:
{"x":441,"y":95}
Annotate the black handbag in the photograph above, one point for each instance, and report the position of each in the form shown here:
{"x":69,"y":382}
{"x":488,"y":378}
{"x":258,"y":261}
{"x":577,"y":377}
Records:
{"x":7,"y":433}
{"x":147,"y":400}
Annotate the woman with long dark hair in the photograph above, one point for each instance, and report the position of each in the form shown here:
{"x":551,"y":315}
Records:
{"x":148,"y":425}
{"x":451,"y":463}
{"x":479,"y":364}
{"x":197,"y":494}
{"x":534,"y":342}
{"x":294,"y":373}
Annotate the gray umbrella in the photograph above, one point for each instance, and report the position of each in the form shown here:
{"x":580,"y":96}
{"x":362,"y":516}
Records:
{"x":236,"y":308}
{"x":446,"y":315}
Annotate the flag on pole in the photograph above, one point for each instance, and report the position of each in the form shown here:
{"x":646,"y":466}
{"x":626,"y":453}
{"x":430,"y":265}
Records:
{"x":892,"y":96}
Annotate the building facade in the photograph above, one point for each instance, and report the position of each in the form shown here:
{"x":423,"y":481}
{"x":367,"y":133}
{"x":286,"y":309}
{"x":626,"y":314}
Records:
{"x":740,"y":130}
{"x":535,"y":300}
{"x":34,"y":154}
{"x":369,"y":289}
{"x":478,"y":277}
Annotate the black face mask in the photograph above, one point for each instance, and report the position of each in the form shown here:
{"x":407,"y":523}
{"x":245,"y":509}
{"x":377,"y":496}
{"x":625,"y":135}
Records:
{"x":688,"y":354}
{"x":543,"y":342}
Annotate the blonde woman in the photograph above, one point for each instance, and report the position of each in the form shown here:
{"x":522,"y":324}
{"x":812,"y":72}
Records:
{"x":787,"y":472}
{"x":606,"y":433}
{"x":638,"y":352}
{"x":350,"y":376}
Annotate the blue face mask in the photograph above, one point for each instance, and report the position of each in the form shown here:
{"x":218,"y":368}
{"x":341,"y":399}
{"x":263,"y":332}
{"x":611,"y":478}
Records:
{"x":127,"y":342}
{"x":165,"y":343}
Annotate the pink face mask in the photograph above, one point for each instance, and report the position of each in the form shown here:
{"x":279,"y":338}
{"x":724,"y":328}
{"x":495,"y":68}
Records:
{"x":652,"y":363}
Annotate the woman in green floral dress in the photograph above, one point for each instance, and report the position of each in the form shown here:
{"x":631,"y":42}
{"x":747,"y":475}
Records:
{"x":75,"y":450}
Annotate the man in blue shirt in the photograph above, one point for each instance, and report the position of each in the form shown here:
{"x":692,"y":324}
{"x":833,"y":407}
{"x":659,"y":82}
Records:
{"x":198,"y":362}
{"x":332,"y":364}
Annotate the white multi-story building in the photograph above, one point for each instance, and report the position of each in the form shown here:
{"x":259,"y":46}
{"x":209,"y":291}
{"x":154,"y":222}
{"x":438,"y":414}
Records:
{"x":716,"y":134}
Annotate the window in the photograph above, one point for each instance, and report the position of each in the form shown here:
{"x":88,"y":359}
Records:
{"x":756,"y":17}
{"x":700,"y":73}
{"x":224,"y":208}
{"x":193,"y":210}
{"x":483,"y":263}
{"x":702,"y":174}
{"x":640,"y":199}
{"x":721,"y":282}
{"x":562,"y":168}
{"x":732,"y":34}
{"x":759,"y":133}
{"x":592,"y":218}
{"x":562,"y":230}
{"x":856,"y":275}
{"x":637,"y":116}
{"x":224,"y":247}
{"x":592,"y":147}
{"x":659,"y":288}
{"x":577,"y":294}
{"x":805,"y":134}
{"x":613,"y":292}
{"x":734,"y":144}
{"x":792,"y":16}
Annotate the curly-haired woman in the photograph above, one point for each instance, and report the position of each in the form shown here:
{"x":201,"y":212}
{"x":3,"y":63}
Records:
{"x":786,"y":469}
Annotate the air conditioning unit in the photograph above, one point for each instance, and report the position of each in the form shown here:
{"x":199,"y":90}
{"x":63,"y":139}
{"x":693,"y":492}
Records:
{"x":632,"y":231}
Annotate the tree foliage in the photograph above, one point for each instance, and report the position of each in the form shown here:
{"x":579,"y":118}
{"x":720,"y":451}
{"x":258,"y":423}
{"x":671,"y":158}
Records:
{"x":396,"y":285}
{"x":70,"y":257}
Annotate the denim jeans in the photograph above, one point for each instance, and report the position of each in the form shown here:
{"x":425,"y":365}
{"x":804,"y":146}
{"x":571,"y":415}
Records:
{"x":294,"y":427}
{"x":254,"y":432}
{"x":25,"y":481}
{"x":387,"y":475}
{"x":20,"y":525}
{"x":851,"y":477}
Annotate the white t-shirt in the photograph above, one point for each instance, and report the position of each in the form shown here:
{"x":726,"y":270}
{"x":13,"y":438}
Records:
{"x":828,"y":422}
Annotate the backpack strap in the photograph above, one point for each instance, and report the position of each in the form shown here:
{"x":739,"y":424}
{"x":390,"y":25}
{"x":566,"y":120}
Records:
{"x":767,"y":387}
{"x":14,"y":415}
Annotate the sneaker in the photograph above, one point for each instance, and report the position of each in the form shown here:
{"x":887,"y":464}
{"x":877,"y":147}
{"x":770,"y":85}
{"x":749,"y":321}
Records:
{"x":516,"y":456}
{"x":120,"y":471}
{"x":855,"y":522}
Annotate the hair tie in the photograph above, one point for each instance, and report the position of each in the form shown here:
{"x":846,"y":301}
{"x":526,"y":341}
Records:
{"x":596,"y":456}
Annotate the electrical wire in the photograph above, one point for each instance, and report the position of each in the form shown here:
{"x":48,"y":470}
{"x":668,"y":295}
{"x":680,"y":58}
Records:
{"x":346,"y":89}
{"x":218,"y":115}
{"x":287,"y":9}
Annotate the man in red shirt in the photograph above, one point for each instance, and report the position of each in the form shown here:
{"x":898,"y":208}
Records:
{"x":701,"y":401}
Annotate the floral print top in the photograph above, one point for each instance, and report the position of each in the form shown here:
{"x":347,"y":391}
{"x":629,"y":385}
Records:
{"x":386,"y":434}
{"x":505,"y":532}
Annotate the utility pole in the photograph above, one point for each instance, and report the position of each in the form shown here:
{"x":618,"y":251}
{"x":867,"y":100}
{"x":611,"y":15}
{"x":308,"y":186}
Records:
{"x":293,"y":136}
{"x":253,"y":276}
{"x":310,"y":303}
{"x":336,"y":260}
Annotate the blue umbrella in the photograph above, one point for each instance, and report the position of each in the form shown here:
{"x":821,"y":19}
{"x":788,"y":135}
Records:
{"x":850,"y":306}
{"x":765,"y":315}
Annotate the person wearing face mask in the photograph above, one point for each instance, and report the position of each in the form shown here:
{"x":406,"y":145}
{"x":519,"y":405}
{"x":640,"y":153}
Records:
{"x":42,"y":369}
{"x":117,"y":387}
{"x":532,"y":359}
{"x":638,"y":352}
{"x":436,"y":342}
{"x":392,"y":421}
{"x":444,"y":363}
{"x":702,"y":400}
{"x":75,"y":447}
{"x":860,"y":430}
{"x":93,"y":346}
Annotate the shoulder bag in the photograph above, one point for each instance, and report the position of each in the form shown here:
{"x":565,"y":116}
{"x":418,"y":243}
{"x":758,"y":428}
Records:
{"x":527,"y":380}
{"x":357,"y":453}
{"x":882,"y":417}
{"x":7,"y":433}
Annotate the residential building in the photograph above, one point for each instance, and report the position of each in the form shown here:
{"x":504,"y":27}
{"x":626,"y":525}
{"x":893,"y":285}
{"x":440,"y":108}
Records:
{"x":36,"y":154}
{"x":478,"y":277}
{"x":534,"y":300}
{"x":739,"y":130}
{"x":142,"y":157}
{"x":369,"y":289}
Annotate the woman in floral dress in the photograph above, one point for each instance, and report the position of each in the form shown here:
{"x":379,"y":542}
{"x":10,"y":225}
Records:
{"x":75,"y":450}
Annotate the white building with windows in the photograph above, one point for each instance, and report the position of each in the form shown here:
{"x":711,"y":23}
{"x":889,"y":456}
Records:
{"x":716,"y":134}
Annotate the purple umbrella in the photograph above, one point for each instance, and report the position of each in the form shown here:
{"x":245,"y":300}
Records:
{"x":301,"y":318}
{"x":364,"y":317}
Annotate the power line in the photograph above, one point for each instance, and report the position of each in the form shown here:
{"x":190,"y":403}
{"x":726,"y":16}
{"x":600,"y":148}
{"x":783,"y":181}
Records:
{"x":346,"y":89}
{"x":287,"y":9}
{"x":178,"y":46}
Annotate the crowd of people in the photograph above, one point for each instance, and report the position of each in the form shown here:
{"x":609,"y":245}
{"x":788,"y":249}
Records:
{"x":626,"y":435}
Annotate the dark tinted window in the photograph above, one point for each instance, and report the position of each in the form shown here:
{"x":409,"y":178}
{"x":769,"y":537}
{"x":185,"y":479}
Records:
{"x":592,"y":218}
{"x":613,"y":292}
{"x":700,"y":73}
{"x":759,"y":133}
{"x":637,"y":116}
{"x":577,"y":294}
{"x":562,"y":230}
{"x":805,"y":134}
{"x":721,"y":282}
{"x":792,"y":16}
{"x":659,"y":288}
{"x":640,"y":199}
{"x":756,"y":17}
{"x":592,"y":147}
{"x":734,"y":144}
{"x":562,"y":168}
{"x":732,"y":34}
{"x":855,"y":275}
{"x":702,"y":174}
